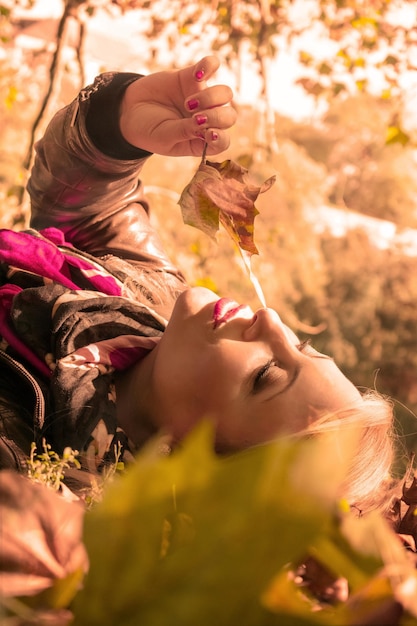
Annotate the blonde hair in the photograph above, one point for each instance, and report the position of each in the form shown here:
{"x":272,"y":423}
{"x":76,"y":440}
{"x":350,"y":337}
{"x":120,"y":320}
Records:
{"x":369,"y":483}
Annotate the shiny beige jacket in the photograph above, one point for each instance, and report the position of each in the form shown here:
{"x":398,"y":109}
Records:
{"x":96,"y":199}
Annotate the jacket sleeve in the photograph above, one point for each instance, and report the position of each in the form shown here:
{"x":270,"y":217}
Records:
{"x":85,"y":180}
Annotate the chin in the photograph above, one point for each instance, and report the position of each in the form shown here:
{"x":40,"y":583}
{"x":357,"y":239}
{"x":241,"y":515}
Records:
{"x":196,"y":298}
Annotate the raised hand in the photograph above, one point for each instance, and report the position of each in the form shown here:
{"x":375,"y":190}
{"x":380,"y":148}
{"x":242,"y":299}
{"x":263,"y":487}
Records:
{"x":173,"y":112}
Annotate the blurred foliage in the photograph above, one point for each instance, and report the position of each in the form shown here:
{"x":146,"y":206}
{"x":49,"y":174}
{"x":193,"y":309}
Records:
{"x":365,"y":172}
{"x":194,"y":538}
{"x":262,"y":537}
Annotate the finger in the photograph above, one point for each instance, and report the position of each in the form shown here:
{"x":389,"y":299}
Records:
{"x":209,"y":98}
{"x":194,"y":77}
{"x":217,"y":141}
{"x":187,"y":129}
{"x":220,"y":117}
{"x":214,"y":146}
{"x":206,"y":67}
{"x":175,"y":136}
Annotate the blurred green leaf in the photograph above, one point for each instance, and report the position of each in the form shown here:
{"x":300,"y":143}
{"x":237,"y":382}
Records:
{"x":305,"y":57}
{"x":198,"y":539}
{"x":396,"y":135}
{"x":391,"y":60}
{"x":361,"y":84}
{"x":325,"y":69}
{"x":364,"y":22}
{"x":338,"y":87}
{"x":60,"y":594}
{"x":207,"y":282}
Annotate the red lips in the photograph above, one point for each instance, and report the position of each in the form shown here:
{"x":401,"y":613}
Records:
{"x":224,"y":310}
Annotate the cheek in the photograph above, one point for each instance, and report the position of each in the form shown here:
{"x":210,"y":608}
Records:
{"x":183,"y":378}
{"x":177,"y":404}
{"x":193,"y":378}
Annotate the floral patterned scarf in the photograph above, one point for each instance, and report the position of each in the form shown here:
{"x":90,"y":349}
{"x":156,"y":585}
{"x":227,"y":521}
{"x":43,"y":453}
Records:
{"x":63,"y":315}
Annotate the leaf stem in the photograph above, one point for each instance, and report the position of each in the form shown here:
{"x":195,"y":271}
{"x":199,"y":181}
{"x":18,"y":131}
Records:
{"x":203,"y":156}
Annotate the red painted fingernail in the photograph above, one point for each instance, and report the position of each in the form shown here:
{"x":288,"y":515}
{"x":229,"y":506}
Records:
{"x":214,"y":135}
{"x":199,"y":74}
{"x":200,"y":119}
{"x":193,"y":104}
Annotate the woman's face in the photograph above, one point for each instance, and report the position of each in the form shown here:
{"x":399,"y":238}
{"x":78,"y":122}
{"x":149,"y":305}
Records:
{"x":245,"y":371}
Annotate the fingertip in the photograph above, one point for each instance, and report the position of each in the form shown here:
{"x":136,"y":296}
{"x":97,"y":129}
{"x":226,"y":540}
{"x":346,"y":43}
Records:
{"x":206,"y":67}
{"x":217,"y":141}
{"x":199,"y":73}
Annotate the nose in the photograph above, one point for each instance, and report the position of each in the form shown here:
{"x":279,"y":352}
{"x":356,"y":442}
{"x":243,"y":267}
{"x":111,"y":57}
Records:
{"x":267,"y":325}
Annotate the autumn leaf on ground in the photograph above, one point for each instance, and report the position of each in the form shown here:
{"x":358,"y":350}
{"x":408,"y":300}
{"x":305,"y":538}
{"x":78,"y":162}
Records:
{"x":222,"y":193}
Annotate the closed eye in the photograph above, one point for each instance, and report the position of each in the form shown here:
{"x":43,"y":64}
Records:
{"x":269,"y":374}
{"x":261,"y":376}
{"x":272,"y":373}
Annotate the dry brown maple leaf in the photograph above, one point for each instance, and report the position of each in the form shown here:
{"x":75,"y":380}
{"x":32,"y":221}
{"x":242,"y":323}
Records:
{"x":222,"y":193}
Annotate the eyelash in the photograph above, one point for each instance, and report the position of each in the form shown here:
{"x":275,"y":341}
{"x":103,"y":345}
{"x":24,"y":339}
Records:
{"x":301,"y":346}
{"x":264,"y":371}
